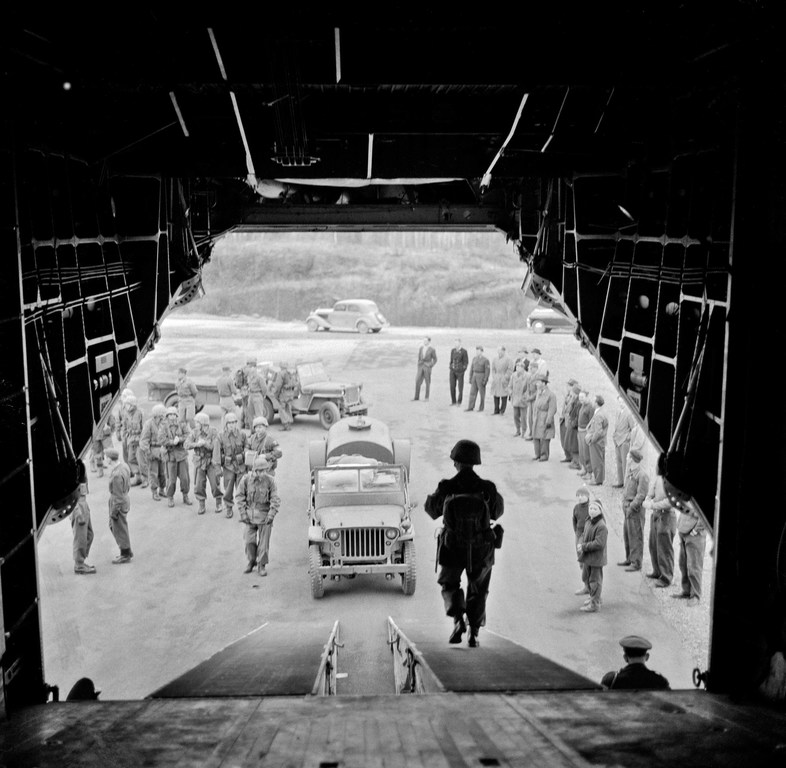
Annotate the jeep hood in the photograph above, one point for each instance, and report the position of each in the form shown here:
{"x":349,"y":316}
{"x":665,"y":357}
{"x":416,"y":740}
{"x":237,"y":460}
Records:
{"x":361,"y":516}
{"x":325,"y":387}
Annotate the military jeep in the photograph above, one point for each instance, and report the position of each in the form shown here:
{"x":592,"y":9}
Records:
{"x":360,"y":514}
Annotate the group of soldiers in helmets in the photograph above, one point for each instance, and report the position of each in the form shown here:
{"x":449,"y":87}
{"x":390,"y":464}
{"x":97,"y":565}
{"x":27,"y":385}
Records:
{"x":237,"y":466}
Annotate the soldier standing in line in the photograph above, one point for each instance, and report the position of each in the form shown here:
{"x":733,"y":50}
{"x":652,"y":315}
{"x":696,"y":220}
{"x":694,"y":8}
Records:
{"x":186,"y":397}
{"x":119,"y":504}
{"x":257,"y":389}
{"x":121,"y":414}
{"x":635,"y":491}
{"x":172,"y":436}
{"x":663,"y":527}
{"x":82,"y":528}
{"x":467,"y":504}
{"x":285,"y":390}
{"x":102,"y":439}
{"x":692,"y":544}
{"x":131,"y":432}
{"x":228,"y":393}
{"x":596,"y":441}
{"x":262,"y":444}
{"x":233,"y":457}
{"x":564,"y":420}
{"x":258,"y":503}
{"x":635,"y":675}
{"x":623,"y":426}
{"x":150,"y":453}
{"x":479,"y":372}
{"x":204,"y":441}
{"x":459,"y":360}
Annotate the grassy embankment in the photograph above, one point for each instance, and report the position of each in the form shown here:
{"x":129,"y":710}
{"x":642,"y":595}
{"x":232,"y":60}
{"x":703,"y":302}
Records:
{"x":420,"y":279}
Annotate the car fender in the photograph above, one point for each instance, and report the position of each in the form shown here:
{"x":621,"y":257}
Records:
{"x":323,"y":323}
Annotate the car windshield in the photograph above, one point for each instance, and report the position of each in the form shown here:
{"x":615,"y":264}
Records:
{"x":368,"y":479}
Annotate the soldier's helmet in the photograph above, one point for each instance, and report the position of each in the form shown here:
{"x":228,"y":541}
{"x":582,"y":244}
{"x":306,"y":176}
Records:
{"x":171,"y":411}
{"x":466,"y":452}
{"x":260,"y":420}
{"x":158,"y":410}
{"x":261,"y":462}
{"x":131,"y":400}
{"x":202,"y":418}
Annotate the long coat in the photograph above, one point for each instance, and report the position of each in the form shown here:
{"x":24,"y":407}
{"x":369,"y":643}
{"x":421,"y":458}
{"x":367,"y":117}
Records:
{"x":543,"y":410}
{"x":517,"y":389}
{"x":501,"y":370}
{"x":571,"y":427}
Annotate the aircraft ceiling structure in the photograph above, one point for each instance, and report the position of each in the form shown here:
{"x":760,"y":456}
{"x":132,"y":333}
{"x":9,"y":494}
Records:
{"x":603,"y":141}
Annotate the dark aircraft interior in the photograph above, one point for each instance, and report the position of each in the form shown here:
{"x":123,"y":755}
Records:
{"x":632,"y":152}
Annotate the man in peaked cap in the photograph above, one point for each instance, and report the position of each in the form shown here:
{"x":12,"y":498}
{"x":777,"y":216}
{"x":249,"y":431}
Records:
{"x":635,"y":674}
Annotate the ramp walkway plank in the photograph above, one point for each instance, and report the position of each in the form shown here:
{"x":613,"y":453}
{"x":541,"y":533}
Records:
{"x":498,"y":664}
{"x":280,"y":659}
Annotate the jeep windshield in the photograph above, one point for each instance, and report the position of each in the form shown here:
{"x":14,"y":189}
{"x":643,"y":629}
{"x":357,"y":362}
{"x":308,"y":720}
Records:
{"x":366,"y":479}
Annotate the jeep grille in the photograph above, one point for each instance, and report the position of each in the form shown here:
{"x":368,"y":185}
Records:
{"x":352,"y":395}
{"x":362,"y":543}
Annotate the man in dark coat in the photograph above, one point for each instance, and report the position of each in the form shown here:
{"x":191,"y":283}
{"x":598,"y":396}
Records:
{"x":427,"y":359}
{"x":459,"y":360}
{"x":464,"y":497}
{"x":635,"y":674}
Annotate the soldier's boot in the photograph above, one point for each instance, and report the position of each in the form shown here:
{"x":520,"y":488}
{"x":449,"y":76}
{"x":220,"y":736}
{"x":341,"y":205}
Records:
{"x":218,"y":505}
{"x":100,"y":470}
{"x":230,"y":511}
{"x":201,"y":510}
{"x":156,"y":496}
{"x":186,"y":500}
{"x":145,"y":484}
{"x":170,"y":502}
{"x":261,"y":570}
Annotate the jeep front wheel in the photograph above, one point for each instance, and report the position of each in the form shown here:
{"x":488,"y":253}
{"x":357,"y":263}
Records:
{"x":329,"y":414}
{"x":314,"y":561}
{"x":409,"y":577}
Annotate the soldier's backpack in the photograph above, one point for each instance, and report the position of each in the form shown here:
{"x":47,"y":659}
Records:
{"x":467,"y":523}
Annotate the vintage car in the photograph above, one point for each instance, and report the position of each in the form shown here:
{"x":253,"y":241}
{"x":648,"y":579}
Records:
{"x":317,"y":395}
{"x":360,"y":315}
{"x":360,"y":519}
{"x":545,"y":319}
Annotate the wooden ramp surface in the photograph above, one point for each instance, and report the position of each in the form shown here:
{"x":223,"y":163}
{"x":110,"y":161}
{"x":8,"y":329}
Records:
{"x":280,"y":659}
{"x":498,"y":664}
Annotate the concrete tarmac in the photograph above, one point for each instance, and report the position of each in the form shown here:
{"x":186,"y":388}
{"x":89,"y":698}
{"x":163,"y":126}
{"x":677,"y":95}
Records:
{"x":133,"y":628}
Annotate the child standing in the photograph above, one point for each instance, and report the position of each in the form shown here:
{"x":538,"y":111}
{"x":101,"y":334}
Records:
{"x":580,"y":517}
{"x":592,"y":555}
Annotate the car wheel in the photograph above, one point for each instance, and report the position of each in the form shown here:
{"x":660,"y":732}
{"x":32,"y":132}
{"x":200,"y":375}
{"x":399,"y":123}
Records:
{"x":314,"y":561}
{"x":409,"y":577}
{"x":270,"y":412}
{"x":329,"y":414}
{"x":312,"y":326}
{"x":539,"y":326}
{"x":362,"y":326}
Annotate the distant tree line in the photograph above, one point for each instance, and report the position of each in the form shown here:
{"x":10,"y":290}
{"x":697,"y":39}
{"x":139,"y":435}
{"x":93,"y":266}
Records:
{"x":416,"y":278}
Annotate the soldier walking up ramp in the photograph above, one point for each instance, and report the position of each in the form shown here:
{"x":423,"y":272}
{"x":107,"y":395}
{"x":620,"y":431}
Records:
{"x":281,"y":659}
{"x":498,"y":664}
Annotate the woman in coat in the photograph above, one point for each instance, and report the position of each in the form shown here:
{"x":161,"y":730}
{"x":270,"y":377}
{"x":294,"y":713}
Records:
{"x":543,"y":410}
{"x":501,"y":371}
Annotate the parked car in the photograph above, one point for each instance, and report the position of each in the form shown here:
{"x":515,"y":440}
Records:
{"x":545,"y":319}
{"x":317,"y":395}
{"x":359,"y":315}
{"x":360,"y":519}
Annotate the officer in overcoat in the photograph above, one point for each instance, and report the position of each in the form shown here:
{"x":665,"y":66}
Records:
{"x":455,"y":557}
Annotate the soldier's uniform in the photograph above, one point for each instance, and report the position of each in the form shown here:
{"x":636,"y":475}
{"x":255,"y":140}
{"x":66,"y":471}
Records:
{"x":635,"y":675}
{"x":133,"y":421}
{"x":151,"y":453}
{"x":227,"y":391}
{"x":264,"y":445}
{"x":285,"y":391}
{"x":119,"y":506}
{"x":186,"y":398}
{"x":172,"y":435}
{"x":258,"y":503}
{"x":455,"y":557}
{"x":233,"y":456}
{"x":257,"y":389}
{"x":204,"y":441}
{"x":82,"y":528}
{"x":479,"y":372}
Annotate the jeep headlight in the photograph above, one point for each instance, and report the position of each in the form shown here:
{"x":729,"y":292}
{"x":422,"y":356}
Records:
{"x":391,"y":533}
{"x":333,"y":535}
